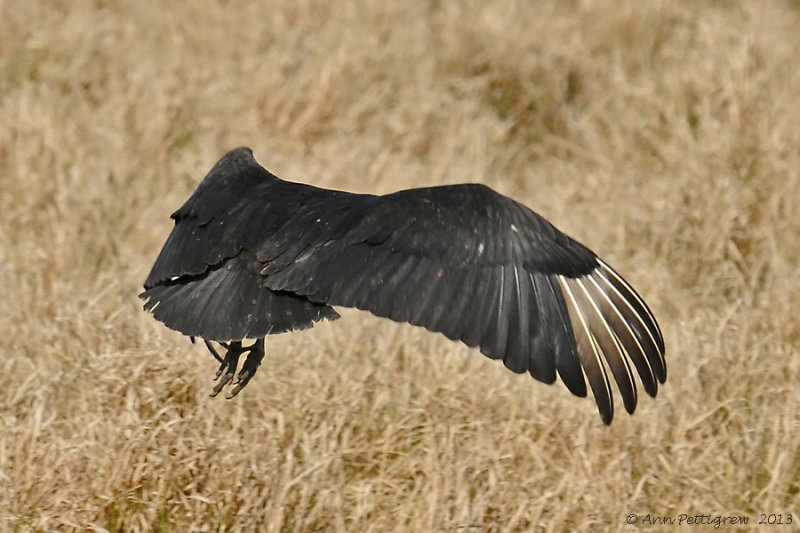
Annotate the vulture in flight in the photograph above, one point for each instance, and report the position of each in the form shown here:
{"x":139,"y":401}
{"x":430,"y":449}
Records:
{"x":251,"y":255}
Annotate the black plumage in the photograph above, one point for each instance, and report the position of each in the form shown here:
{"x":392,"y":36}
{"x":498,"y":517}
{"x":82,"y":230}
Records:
{"x":252,"y":255}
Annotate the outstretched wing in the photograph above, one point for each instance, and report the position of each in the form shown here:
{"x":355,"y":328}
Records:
{"x":481,"y":268}
{"x":461,"y":260}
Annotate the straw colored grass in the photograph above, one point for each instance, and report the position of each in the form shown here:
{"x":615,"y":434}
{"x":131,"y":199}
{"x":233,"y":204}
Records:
{"x":665,"y":135}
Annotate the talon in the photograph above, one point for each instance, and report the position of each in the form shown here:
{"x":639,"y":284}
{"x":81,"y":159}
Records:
{"x":221,"y":385}
{"x":234,"y":391}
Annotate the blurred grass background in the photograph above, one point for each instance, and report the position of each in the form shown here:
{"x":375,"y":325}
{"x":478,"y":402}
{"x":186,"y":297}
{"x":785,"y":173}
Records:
{"x":664,"y":135}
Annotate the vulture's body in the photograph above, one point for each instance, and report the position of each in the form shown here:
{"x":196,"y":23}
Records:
{"x":252,"y":255}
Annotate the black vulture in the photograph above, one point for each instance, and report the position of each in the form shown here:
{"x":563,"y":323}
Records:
{"x":251,"y":255}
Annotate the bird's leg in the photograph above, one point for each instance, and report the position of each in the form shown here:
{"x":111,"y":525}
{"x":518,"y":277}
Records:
{"x":228,"y":367}
{"x":249,"y":367}
{"x":212,"y":350}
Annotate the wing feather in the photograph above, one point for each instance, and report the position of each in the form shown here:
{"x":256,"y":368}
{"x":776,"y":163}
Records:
{"x":517,"y":357}
{"x":638,"y":320}
{"x":589,"y":351}
{"x":475,"y":319}
{"x":495,"y":337}
{"x":229,"y":303}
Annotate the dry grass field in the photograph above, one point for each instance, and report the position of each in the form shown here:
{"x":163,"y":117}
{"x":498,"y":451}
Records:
{"x":664,"y":135}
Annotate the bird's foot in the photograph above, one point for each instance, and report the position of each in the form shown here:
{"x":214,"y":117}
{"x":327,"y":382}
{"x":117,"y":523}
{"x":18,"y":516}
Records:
{"x":227,"y":370}
{"x":249,"y":368}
